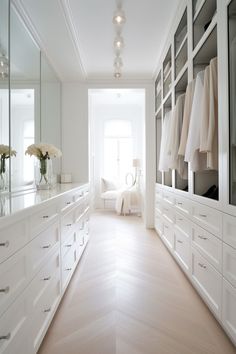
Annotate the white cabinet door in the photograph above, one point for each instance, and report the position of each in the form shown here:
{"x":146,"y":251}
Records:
{"x":208,"y":218}
{"x":229,"y":264}
{"x":183,"y":223}
{"x":182,"y":249}
{"x":229,"y":309}
{"x":168,"y":234}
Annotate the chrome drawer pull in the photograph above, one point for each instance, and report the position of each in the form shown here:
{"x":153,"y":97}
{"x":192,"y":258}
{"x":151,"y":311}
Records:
{"x":68,"y":225}
{"x":47,"y":278}
{"x":68,"y":203}
{"x":179,"y":241}
{"x":202,"y":265}
{"x":202,"y":237}
{"x":6,"y":290}
{"x":68,"y":245}
{"x":203,"y":215}
{"x":47,"y":246}
{"x":7,"y":337}
{"x":4,"y":244}
{"x":45,"y":216}
{"x":47,"y":310}
{"x":68,"y":269}
{"x":180,"y":203}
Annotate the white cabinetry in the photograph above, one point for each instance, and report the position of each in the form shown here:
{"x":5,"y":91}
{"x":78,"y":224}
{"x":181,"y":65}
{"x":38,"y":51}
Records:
{"x":39,"y":250}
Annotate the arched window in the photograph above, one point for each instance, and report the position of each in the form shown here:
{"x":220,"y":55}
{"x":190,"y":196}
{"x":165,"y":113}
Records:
{"x":118,"y":149}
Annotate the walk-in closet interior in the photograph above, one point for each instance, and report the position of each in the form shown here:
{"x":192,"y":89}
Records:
{"x":117,"y":177}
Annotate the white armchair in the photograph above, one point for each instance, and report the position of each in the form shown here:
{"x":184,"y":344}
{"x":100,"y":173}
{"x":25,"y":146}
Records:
{"x":109,"y":191}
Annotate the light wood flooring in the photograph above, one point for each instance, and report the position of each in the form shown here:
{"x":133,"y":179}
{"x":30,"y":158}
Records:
{"x":128,"y":296}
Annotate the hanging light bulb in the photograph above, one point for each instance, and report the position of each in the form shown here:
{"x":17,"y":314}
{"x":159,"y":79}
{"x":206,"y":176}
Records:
{"x":119,"y":17}
{"x":118,"y":42}
{"x":118,"y":63}
{"x":117,"y":74}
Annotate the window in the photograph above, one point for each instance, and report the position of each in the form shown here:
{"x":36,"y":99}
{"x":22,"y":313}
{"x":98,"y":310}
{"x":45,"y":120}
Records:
{"x":118,"y":149}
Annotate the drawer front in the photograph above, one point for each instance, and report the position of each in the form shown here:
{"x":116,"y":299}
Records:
{"x":42,"y":245}
{"x":80,"y":194}
{"x":158,"y":223}
{"x":229,"y":309}
{"x":182,"y":249}
{"x":67,"y":201}
{"x":168,"y":234}
{"x":208,"y":218}
{"x":158,"y":205}
{"x":158,"y":193}
{"x":168,"y":197}
{"x":208,"y":245}
{"x":14,"y":277}
{"x":208,"y":282}
{"x":229,"y":264}
{"x":182,"y":204}
{"x":68,"y":244}
{"x":229,"y":230}
{"x":67,"y":225}
{"x":79,"y":210}
{"x":183,"y":223}
{"x":14,"y":327}
{"x":42,"y":311}
{"x":68,"y":265}
{"x":168,"y":212}
{"x":41,"y":220}
{"x":13,"y":238}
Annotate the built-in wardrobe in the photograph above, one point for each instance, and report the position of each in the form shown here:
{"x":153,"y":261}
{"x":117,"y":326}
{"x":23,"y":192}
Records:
{"x":195,"y":115}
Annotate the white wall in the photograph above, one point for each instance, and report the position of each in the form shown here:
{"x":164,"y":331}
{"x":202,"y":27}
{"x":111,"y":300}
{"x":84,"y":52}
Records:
{"x":75,"y":141}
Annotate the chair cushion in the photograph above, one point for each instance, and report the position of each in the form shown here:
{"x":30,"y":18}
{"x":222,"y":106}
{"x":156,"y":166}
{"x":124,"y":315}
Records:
{"x":108,"y":185}
{"x":110,"y":195}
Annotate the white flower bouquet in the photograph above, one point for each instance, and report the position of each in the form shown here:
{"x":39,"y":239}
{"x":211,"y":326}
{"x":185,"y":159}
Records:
{"x":43,"y":152}
{"x":5,"y":153}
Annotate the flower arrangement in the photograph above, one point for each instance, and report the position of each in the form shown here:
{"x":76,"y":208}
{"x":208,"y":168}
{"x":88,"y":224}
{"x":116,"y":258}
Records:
{"x":43,"y":152}
{"x":5,"y":153}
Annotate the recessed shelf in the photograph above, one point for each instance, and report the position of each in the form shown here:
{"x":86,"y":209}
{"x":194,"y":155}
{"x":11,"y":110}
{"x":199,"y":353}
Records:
{"x":167,"y":99}
{"x":178,"y":79}
{"x":181,"y":33}
{"x":181,"y":46}
{"x":197,"y":11}
{"x":181,"y":59}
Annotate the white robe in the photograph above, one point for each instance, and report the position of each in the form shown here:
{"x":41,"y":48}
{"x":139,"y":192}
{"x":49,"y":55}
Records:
{"x":164,"y":161}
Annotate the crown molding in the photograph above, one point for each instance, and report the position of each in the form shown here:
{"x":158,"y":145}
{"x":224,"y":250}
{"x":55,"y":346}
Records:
{"x":25,"y":17}
{"x":71,"y":27}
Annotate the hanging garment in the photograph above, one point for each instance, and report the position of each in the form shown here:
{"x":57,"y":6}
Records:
{"x":192,"y":154}
{"x":209,"y":116}
{"x":233,"y":108}
{"x":164,"y":160}
{"x":176,"y":161}
{"x":186,"y":117}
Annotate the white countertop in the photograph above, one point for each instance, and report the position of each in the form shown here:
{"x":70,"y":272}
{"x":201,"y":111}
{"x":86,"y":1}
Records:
{"x":18,"y":202}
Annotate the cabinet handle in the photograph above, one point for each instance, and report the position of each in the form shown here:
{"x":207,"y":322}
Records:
{"x":203,"y":215}
{"x":180,"y":203}
{"x":45,"y":216}
{"x":47,"y":310}
{"x":46,"y":246}
{"x":47,"y":278}
{"x":179,"y":241}
{"x":202,"y":237}
{"x":68,"y":203}
{"x":68,"y":225}
{"x":68,"y":269}
{"x":68,"y":245}
{"x":7,"y":337}
{"x":202,"y":265}
{"x":5,"y":290}
{"x":4,"y":244}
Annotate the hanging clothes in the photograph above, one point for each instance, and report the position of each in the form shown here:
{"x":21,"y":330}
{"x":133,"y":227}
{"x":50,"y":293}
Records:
{"x":209,"y":116}
{"x":176,"y":161}
{"x":192,"y":152}
{"x":164,"y":160}
{"x":186,"y":117}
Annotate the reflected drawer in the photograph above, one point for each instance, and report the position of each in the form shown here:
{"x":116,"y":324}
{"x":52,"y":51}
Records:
{"x":208,"y":218}
{"x":229,"y":309}
{"x":229,"y":230}
{"x":208,"y":245}
{"x":183,"y":223}
{"x":182,"y":249}
{"x":208,"y":282}
{"x":42,"y":219}
{"x":182,"y":204}
{"x":168,"y":234}
{"x":229,"y":264}
{"x":12,"y":238}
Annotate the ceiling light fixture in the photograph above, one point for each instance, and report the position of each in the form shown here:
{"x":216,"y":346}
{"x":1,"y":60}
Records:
{"x":118,"y":63}
{"x":118,"y":42}
{"x":119,"y":17}
{"x":118,"y":20}
{"x":117,"y":74}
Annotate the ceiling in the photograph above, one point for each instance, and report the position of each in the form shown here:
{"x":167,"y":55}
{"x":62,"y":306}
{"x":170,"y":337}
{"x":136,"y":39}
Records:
{"x":77,"y":35}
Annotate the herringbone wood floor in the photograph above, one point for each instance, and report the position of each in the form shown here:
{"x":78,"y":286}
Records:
{"x":128,"y":296}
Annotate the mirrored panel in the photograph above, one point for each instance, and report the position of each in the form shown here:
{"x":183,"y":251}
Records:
{"x":4,"y":96}
{"x":25,"y":100}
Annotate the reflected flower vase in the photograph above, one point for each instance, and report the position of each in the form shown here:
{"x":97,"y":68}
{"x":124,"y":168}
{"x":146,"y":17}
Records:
{"x":43,"y":174}
{"x":3,"y":174}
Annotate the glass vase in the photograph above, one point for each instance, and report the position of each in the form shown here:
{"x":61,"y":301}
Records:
{"x":3,"y":175}
{"x":44,"y":174}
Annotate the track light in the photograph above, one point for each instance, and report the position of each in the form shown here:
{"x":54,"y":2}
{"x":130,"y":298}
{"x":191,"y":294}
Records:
{"x":118,"y":42}
{"x":119,"y":17}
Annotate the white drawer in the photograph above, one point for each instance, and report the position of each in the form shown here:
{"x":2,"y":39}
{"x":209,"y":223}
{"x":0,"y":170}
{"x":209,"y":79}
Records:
{"x":182,"y":204}
{"x":168,"y":197}
{"x":168,"y":212}
{"x":42,"y":219}
{"x":208,"y":218}
{"x":14,"y":327}
{"x":182,"y":249}
{"x":12,"y":238}
{"x":208,"y":245}
{"x":229,"y":230}
{"x":42,"y":245}
{"x":80,"y":194}
{"x":208,"y":282}
{"x":79,"y":210}
{"x":168,"y":234}
{"x":67,"y":225}
{"x":229,"y":264}
{"x":229,"y":309}
{"x":158,"y":205}
{"x":158,"y":223}
{"x":42,"y":309}
{"x":67,"y":201}
{"x":68,"y":244}
{"x":158,"y":193}
{"x":14,"y":277}
{"x":68,"y":265}
{"x":183,"y":223}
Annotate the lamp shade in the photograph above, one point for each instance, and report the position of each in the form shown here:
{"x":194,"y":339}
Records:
{"x":136,"y":162}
